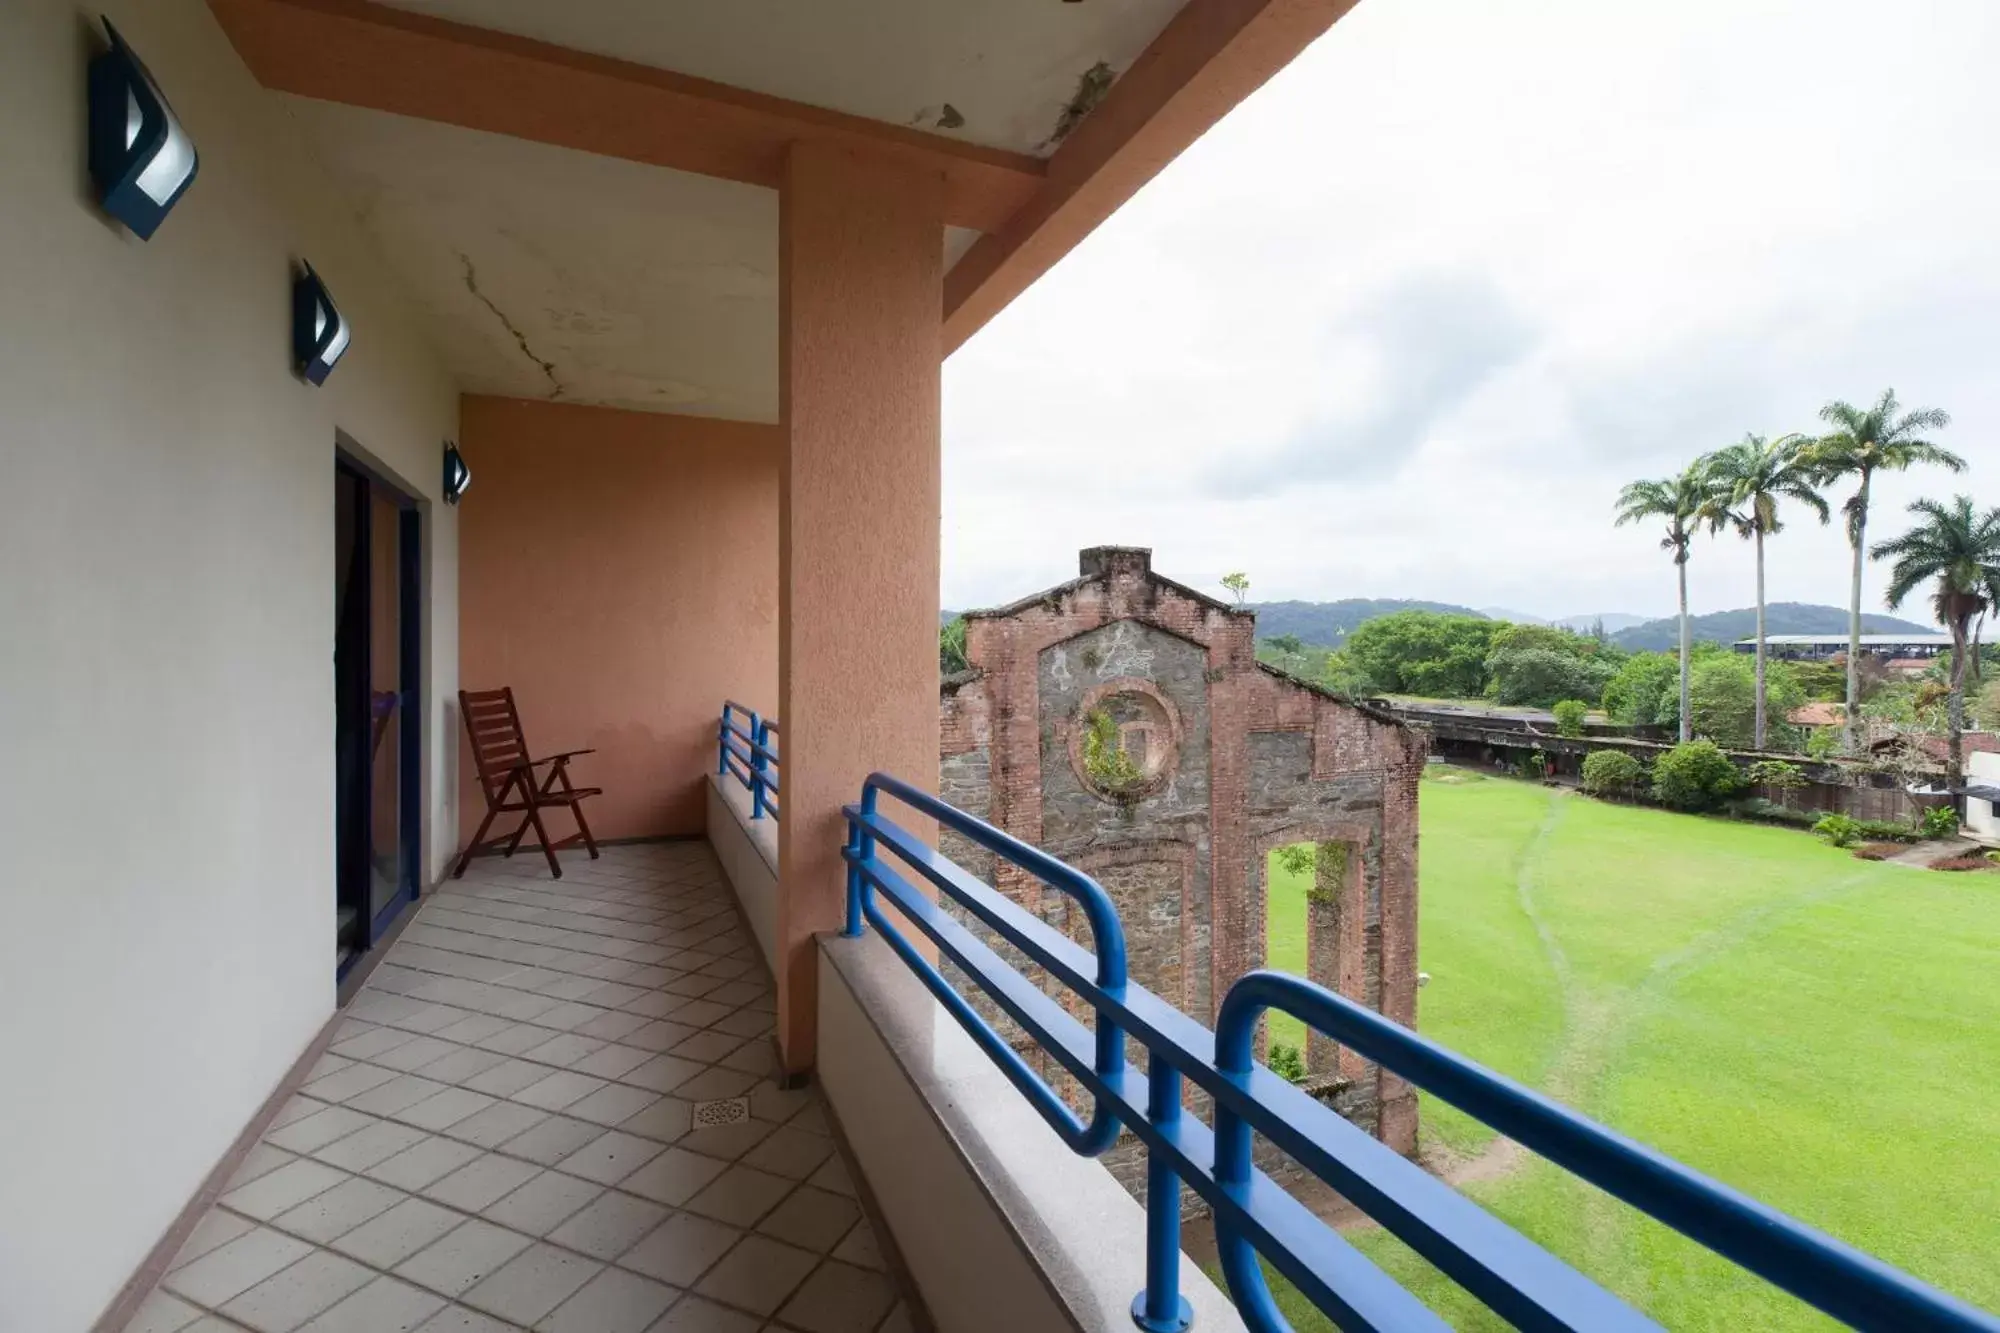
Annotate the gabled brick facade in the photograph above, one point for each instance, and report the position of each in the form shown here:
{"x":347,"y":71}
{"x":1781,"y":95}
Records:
{"x":1226,"y":759}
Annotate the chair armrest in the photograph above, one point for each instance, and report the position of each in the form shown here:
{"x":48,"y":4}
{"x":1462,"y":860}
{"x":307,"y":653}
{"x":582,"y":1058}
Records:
{"x":557,"y":758}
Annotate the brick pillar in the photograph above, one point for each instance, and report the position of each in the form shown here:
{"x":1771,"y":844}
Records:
{"x":1397,"y":1125}
{"x":860,"y":344}
{"x":1336,"y":887}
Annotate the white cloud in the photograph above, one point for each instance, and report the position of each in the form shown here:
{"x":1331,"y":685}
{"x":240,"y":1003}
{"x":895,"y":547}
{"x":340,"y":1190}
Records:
{"x":1404,"y":322}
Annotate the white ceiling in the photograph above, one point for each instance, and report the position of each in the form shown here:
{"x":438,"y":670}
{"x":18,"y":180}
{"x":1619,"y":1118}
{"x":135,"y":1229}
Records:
{"x":1007,"y":66}
{"x":548,"y":273}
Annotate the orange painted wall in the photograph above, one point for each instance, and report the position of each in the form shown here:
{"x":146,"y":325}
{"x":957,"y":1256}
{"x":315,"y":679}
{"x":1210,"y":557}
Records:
{"x":620,"y":571}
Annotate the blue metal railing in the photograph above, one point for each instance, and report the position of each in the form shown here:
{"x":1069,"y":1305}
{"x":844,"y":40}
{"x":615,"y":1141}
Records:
{"x":747,"y":750}
{"x":1512,"y":1275}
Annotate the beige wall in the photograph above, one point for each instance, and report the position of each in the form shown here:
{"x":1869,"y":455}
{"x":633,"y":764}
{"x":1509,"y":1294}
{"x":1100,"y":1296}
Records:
{"x":166,"y":641}
{"x":621,"y":574}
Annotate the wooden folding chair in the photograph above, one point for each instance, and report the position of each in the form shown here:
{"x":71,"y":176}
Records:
{"x":507,"y":777}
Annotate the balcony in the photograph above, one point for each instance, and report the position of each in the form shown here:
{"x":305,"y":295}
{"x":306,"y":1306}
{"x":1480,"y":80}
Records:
{"x":677,"y":289}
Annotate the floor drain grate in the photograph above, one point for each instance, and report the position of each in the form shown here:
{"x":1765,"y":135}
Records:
{"x":723,"y":1111}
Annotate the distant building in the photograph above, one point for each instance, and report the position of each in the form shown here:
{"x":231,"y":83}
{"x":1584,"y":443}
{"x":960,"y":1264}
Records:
{"x":1906,"y":650}
{"x":1817,"y":714}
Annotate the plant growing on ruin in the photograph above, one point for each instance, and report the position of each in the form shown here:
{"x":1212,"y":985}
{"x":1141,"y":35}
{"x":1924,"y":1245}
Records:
{"x":1329,"y":873}
{"x":1296,"y":859}
{"x":1286,"y":1062}
{"x":1238,"y":584}
{"x":1570,"y":714}
{"x":1104,"y":759}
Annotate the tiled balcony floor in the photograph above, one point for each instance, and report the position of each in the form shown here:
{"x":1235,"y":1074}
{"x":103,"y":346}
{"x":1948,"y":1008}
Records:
{"x":504,"y":1134}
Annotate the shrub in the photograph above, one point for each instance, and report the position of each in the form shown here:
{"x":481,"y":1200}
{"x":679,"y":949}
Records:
{"x":1823,"y":743}
{"x":1695,"y":775}
{"x":1778,"y":774}
{"x":1756,"y":807}
{"x":1887,"y":830}
{"x":1286,"y":1062}
{"x":1612,"y":773}
{"x":1839,"y":830}
{"x":1940,"y":821}
{"x":1569,"y":717}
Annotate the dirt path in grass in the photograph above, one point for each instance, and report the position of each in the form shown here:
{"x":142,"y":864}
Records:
{"x":1597,"y":1026}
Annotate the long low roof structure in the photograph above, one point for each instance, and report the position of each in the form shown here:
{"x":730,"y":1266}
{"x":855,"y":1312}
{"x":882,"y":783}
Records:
{"x":1840,"y":641}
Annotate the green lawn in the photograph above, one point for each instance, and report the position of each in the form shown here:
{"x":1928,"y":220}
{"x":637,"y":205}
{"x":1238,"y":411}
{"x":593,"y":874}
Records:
{"x":1821,"y":1032}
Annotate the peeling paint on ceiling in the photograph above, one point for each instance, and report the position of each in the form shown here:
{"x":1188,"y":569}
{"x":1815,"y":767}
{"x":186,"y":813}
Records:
{"x":1006,"y":69}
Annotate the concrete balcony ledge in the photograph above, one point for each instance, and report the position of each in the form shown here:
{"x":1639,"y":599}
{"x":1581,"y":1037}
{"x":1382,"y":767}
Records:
{"x":748,"y":850}
{"x":1000,"y":1225}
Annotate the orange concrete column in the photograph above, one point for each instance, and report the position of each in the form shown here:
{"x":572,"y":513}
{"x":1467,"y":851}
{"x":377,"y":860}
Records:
{"x":860,"y":301}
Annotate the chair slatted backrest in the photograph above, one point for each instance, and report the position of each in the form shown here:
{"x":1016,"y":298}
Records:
{"x":498,"y":747}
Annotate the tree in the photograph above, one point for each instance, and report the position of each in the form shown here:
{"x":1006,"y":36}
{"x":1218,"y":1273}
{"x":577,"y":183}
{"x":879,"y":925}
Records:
{"x":1956,"y":546}
{"x":1723,"y":695}
{"x":1289,"y":647}
{"x":951,"y":646}
{"x":1862,"y":443}
{"x":1543,"y":676}
{"x":1679,"y":500}
{"x":1422,"y":652}
{"x":1642,"y":693}
{"x":1570,"y":716}
{"x":1237,"y":583}
{"x":1750,"y":478}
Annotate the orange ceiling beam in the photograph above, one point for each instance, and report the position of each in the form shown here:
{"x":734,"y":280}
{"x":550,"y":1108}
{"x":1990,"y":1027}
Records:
{"x":369,"y":55}
{"x":1212,"y":55}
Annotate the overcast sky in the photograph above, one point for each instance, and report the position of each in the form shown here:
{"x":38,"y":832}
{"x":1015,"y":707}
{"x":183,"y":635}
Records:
{"x":1404,"y":322}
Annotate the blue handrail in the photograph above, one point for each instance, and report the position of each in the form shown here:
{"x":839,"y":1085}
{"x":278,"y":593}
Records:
{"x":744,"y":751}
{"x":1509,"y":1273}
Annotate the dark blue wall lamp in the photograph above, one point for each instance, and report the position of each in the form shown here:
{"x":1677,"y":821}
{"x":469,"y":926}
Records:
{"x":140,"y":157}
{"x":319,"y":330}
{"x":457,"y":476}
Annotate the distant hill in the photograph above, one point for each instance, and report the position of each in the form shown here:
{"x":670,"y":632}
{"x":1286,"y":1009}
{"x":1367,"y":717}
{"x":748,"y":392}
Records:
{"x":1327,"y":624}
{"x":1517,"y":617}
{"x":1664,"y":635}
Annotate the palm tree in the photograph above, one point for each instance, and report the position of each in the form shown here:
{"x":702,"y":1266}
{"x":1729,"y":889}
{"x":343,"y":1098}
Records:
{"x":1679,"y":500}
{"x":1960,"y":548}
{"x":1865,"y":441}
{"x":1749,"y":478}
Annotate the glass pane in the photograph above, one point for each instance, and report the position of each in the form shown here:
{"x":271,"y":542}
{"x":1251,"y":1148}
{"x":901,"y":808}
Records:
{"x":385,"y":705}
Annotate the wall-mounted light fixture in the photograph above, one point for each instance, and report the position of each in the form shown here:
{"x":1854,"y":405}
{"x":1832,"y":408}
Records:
{"x":457,"y":476}
{"x":140,"y":157}
{"x":319,"y":331}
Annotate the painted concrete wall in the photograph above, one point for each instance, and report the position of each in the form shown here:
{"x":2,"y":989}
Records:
{"x":620,"y":572}
{"x":166,"y":641}
{"x":1981,"y":817}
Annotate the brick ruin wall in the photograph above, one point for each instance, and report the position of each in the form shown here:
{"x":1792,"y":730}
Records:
{"x":1245,"y":760}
